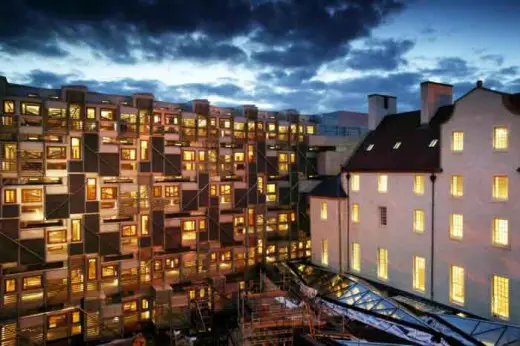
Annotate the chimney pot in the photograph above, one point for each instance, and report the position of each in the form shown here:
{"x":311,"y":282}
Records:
{"x":480,"y":84}
{"x":433,"y":96}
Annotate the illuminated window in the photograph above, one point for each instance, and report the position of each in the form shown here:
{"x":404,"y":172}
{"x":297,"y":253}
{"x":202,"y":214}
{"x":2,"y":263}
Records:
{"x":157,"y":191}
{"x":383,"y":216}
{"x":419,"y":273}
{"x":188,"y":155}
{"x":108,"y":192}
{"x":57,"y":321}
{"x":76,"y":230}
{"x":457,"y":186}
{"x":418,"y":221}
{"x":108,"y":271}
{"x":92,"y":269}
{"x":31,"y":195}
{"x":8,"y":107}
{"x":500,"y":299}
{"x":56,"y":237}
{"x":202,"y":155}
{"x":310,"y":129}
{"x":188,"y":230}
{"x":456,"y":226}
{"x":433,"y":143}
{"x":30,"y":108}
{"x":107,"y":114}
{"x":202,"y":225}
{"x":171,"y":191}
{"x":213,"y":190}
{"x":128,"y":154}
{"x":382,"y":183}
{"x":382,"y":264}
{"x":145,"y":150}
{"x":457,"y":285}
{"x":225,"y":193}
{"x":9,"y":196}
{"x":260,"y":184}
{"x":354,"y":182}
{"x":145,"y":224}
{"x":355,"y":213}
{"x":130,"y":306}
{"x":325,"y":252}
{"x":56,"y":153}
{"x":128,"y":230}
{"x":500,"y":188}
{"x":91,"y":189}
{"x":500,"y":138}
{"x":271,"y":192}
{"x":293,"y":158}
{"x":239,"y":157}
{"x":10,"y":285}
{"x":91,"y":113}
{"x":323,"y":213}
{"x":32,"y":282}
{"x":418,"y":184}
{"x":356,"y":257}
{"x":500,"y":232}
{"x":251,"y":153}
{"x":397,"y":145}
{"x":457,"y":141}
{"x":370,"y":147}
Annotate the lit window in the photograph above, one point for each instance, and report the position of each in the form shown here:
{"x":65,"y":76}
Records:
{"x":188,"y":230}
{"x":56,"y":153}
{"x":76,"y":230}
{"x":418,"y":221}
{"x":500,"y":138}
{"x":202,"y":155}
{"x":57,"y":321}
{"x":239,"y":157}
{"x":8,"y":107}
{"x":323,"y":213}
{"x":225,"y":193}
{"x":325,"y":252}
{"x":128,"y":230}
{"x":382,"y":183}
{"x":382,"y":264}
{"x":108,"y":193}
{"x":32,"y":282}
{"x":130,"y":306}
{"x":145,"y":223}
{"x":9,"y":196}
{"x":500,"y":188}
{"x":457,"y":285}
{"x":251,"y":153}
{"x":457,"y":141}
{"x":500,"y":300}
{"x":370,"y":147}
{"x":456,"y":226}
{"x":91,"y":189}
{"x":310,"y":129}
{"x":419,"y":273}
{"x":397,"y":145}
{"x":10,"y":285}
{"x":91,"y":113}
{"x":355,"y":213}
{"x":30,"y":109}
{"x":356,"y":257}
{"x":383,"y":216}
{"x":107,"y":114}
{"x":202,"y":225}
{"x":188,"y":155}
{"x":31,"y":195}
{"x":171,"y":191}
{"x":293,"y":158}
{"x":157,"y":191}
{"x":145,"y":151}
{"x":418,"y":184}
{"x":283,"y":165}
{"x":500,"y":232}
{"x":128,"y":154}
{"x":271,"y":192}
{"x":457,"y":186}
{"x":354,"y":182}
{"x":433,"y":143}
{"x":92,"y":269}
{"x":108,"y":271}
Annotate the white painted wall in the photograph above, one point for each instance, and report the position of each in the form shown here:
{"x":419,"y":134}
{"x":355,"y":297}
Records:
{"x":476,"y":115}
{"x":328,"y":229}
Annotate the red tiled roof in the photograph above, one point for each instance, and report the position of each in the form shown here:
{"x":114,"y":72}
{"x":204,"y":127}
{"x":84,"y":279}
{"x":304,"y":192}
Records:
{"x":414,"y":153}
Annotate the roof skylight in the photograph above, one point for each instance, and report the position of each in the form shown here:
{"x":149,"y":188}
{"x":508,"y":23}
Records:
{"x":370,"y":147}
{"x":433,"y":143}
{"x":397,"y":145}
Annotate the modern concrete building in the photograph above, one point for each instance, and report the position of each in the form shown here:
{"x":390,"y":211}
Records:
{"x":116,"y":209}
{"x":431,"y":203}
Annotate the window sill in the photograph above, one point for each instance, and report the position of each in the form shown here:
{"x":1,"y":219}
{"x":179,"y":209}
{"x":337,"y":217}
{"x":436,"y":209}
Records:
{"x":502,"y":247}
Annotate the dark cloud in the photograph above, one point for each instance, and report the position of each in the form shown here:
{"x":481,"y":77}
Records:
{"x":288,"y":33}
{"x":384,"y":55}
{"x":451,"y":67}
{"x":493,"y":58}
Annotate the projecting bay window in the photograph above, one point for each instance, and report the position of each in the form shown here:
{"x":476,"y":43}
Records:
{"x":91,"y":189}
{"x":283,"y":132}
{"x":283,"y":222}
{"x":172,"y":193}
{"x":225,"y":193}
{"x":239,"y":130}
{"x":271,"y":130}
{"x":75,"y":230}
{"x":500,"y":297}
{"x":188,"y":160}
{"x":457,"y":285}
{"x":108,"y":272}
{"x":500,"y":188}
{"x":202,"y":126}
{"x":271,"y":193}
{"x":283,"y":163}
{"x":32,"y":196}
{"x":188,"y":230}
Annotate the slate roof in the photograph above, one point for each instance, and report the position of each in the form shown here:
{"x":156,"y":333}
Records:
{"x":329,"y":187}
{"x":414,"y":153}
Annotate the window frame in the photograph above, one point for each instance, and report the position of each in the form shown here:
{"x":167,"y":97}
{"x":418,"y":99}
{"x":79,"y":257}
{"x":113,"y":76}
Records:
{"x":453,"y":299}
{"x":417,"y":284}
{"x":495,"y":194}
{"x":496,"y":230}
{"x":10,"y":200}
{"x":382,"y":274}
{"x":457,"y":141}
{"x":496,"y":139}
{"x":452,"y":227}
{"x":494,"y":301}
{"x":323,"y":211}
{"x":382,"y":183}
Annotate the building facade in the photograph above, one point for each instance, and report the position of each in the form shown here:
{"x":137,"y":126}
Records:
{"x":108,"y":202}
{"x":432,"y":208}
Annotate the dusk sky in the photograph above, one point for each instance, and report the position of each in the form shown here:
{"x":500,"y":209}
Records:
{"x":312,"y":55}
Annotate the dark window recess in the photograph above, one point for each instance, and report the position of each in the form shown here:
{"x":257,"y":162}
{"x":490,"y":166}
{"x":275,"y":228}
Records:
{"x":32,"y":251}
{"x":109,"y":164}
{"x":57,"y":206}
{"x":109,"y":243}
{"x":189,"y":200}
{"x":173,"y":238}
{"x":75,"y":249}
{"x":383,"y":216}
{"x":385,"y":101}
{"x":158,"y":228}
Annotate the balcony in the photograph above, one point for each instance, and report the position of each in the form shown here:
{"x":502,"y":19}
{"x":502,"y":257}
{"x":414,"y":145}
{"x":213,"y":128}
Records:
{"x":56,"y":126}
{"x":31,"y":168}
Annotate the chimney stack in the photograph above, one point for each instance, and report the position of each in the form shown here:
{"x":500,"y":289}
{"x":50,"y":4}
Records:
{"x":433,"y":96}
{"x":480,"y":84}
{"x":380,"y":106}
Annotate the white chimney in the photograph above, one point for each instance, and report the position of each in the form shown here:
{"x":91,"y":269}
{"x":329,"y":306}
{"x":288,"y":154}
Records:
{"x":433,"y":96}
{"x":378,"y":107}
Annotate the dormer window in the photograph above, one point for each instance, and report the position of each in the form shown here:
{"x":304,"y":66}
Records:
{"x":433,"y":143}
{"x":370,"y":147}
{"x":397,"y":145}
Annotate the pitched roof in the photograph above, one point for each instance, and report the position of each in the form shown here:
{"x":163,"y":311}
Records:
{"x":413,"y":154}
{"x":329,"y":187}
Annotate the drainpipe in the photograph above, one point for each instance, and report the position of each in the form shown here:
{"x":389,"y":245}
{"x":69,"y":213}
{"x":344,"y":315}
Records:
{"x":348,"y":220}
{"x":338,"y":199}
{"x":433,"y":178}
